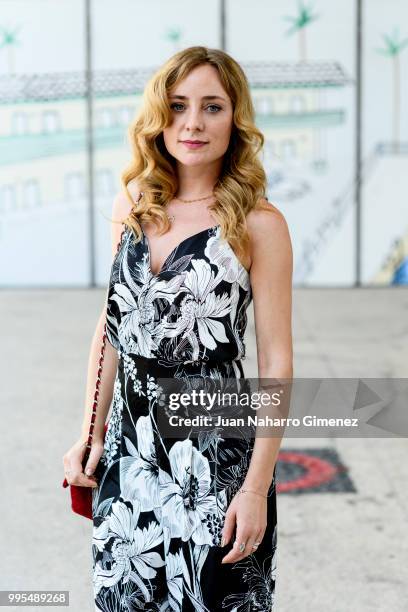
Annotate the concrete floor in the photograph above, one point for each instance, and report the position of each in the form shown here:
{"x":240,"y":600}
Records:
{"x":336,"y":551}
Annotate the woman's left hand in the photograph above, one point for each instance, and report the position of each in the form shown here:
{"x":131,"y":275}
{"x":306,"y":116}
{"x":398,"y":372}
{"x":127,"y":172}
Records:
{"x":248,"y":513}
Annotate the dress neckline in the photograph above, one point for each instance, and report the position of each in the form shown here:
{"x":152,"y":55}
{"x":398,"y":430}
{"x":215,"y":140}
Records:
{"x":181,"y":243}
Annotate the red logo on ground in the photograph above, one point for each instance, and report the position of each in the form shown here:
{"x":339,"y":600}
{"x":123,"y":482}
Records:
{"x":317,"y":471}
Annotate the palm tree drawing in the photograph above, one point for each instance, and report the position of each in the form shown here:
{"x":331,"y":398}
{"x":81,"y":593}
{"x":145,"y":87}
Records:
{"x":299,"y":23}
{"x":392,"y":49}
{"x":174,"y":35}
{"x":8,"y":42}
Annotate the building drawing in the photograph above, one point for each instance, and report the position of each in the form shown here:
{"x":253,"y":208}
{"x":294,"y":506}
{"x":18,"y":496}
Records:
{"x":43,"y":133}
{"x":43,"y":116}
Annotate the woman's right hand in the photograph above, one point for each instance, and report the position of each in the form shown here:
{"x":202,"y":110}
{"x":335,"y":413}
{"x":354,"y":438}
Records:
{"x":72,"y":461}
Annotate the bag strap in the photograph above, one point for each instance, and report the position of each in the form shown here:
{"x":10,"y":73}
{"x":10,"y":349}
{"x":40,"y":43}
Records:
{"x":98,"y":379}
{"x":101,"y":358}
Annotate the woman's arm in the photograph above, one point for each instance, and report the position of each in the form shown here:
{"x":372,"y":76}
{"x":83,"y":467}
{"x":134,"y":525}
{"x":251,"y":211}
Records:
{"x":120,"y":210}
{"x":72,"y":459}
{"x":271,"y":283}
{"x":109,"y":368}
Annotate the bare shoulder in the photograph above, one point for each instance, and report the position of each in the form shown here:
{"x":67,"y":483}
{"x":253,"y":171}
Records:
{"x":122,"y":205}
{"x":267,"y":226}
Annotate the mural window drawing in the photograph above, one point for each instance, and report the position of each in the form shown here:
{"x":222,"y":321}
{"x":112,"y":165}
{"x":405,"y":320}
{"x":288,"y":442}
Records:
{"x":297,"y":104}
{"x":105,"y":185}
{"x":264,"y":105}
{"x":51,"y":121}
{"x":31,"y":194}
{"x":106,"y":117}
{"x":8,"y":199}
{"x":126,"y":114}
{"x":74,"y":185}
{"x":287,"y":149}
{"x":20,"y":123}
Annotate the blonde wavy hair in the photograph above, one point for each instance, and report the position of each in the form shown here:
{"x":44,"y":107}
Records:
{"x":242,"y":180}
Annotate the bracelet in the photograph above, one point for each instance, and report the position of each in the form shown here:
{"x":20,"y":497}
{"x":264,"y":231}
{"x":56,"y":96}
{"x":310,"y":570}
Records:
{"x":249,"y":491}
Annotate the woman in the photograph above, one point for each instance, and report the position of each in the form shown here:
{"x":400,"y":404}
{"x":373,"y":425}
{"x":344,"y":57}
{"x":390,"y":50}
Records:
{"x":187,"y":524}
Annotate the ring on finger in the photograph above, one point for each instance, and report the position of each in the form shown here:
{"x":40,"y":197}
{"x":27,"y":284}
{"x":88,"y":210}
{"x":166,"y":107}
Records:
{"x":242,"y":547}
{"x":255,"y":544}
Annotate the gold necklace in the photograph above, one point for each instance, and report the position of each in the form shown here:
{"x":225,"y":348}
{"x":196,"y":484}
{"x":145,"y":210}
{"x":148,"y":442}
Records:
{"x":173,"y":218}
{"x":196,"y":200}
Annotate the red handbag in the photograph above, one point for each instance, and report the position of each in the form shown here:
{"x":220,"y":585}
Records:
{"x":81,"y":497}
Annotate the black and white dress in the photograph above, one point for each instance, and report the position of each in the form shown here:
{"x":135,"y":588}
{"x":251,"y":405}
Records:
{"x":159,"y":509}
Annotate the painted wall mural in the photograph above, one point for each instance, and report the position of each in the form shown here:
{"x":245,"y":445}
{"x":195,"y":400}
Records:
{"x":300,"y":60}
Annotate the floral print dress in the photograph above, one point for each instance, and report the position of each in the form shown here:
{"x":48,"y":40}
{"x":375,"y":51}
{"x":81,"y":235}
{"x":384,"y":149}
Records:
{"x":159,"y":509}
